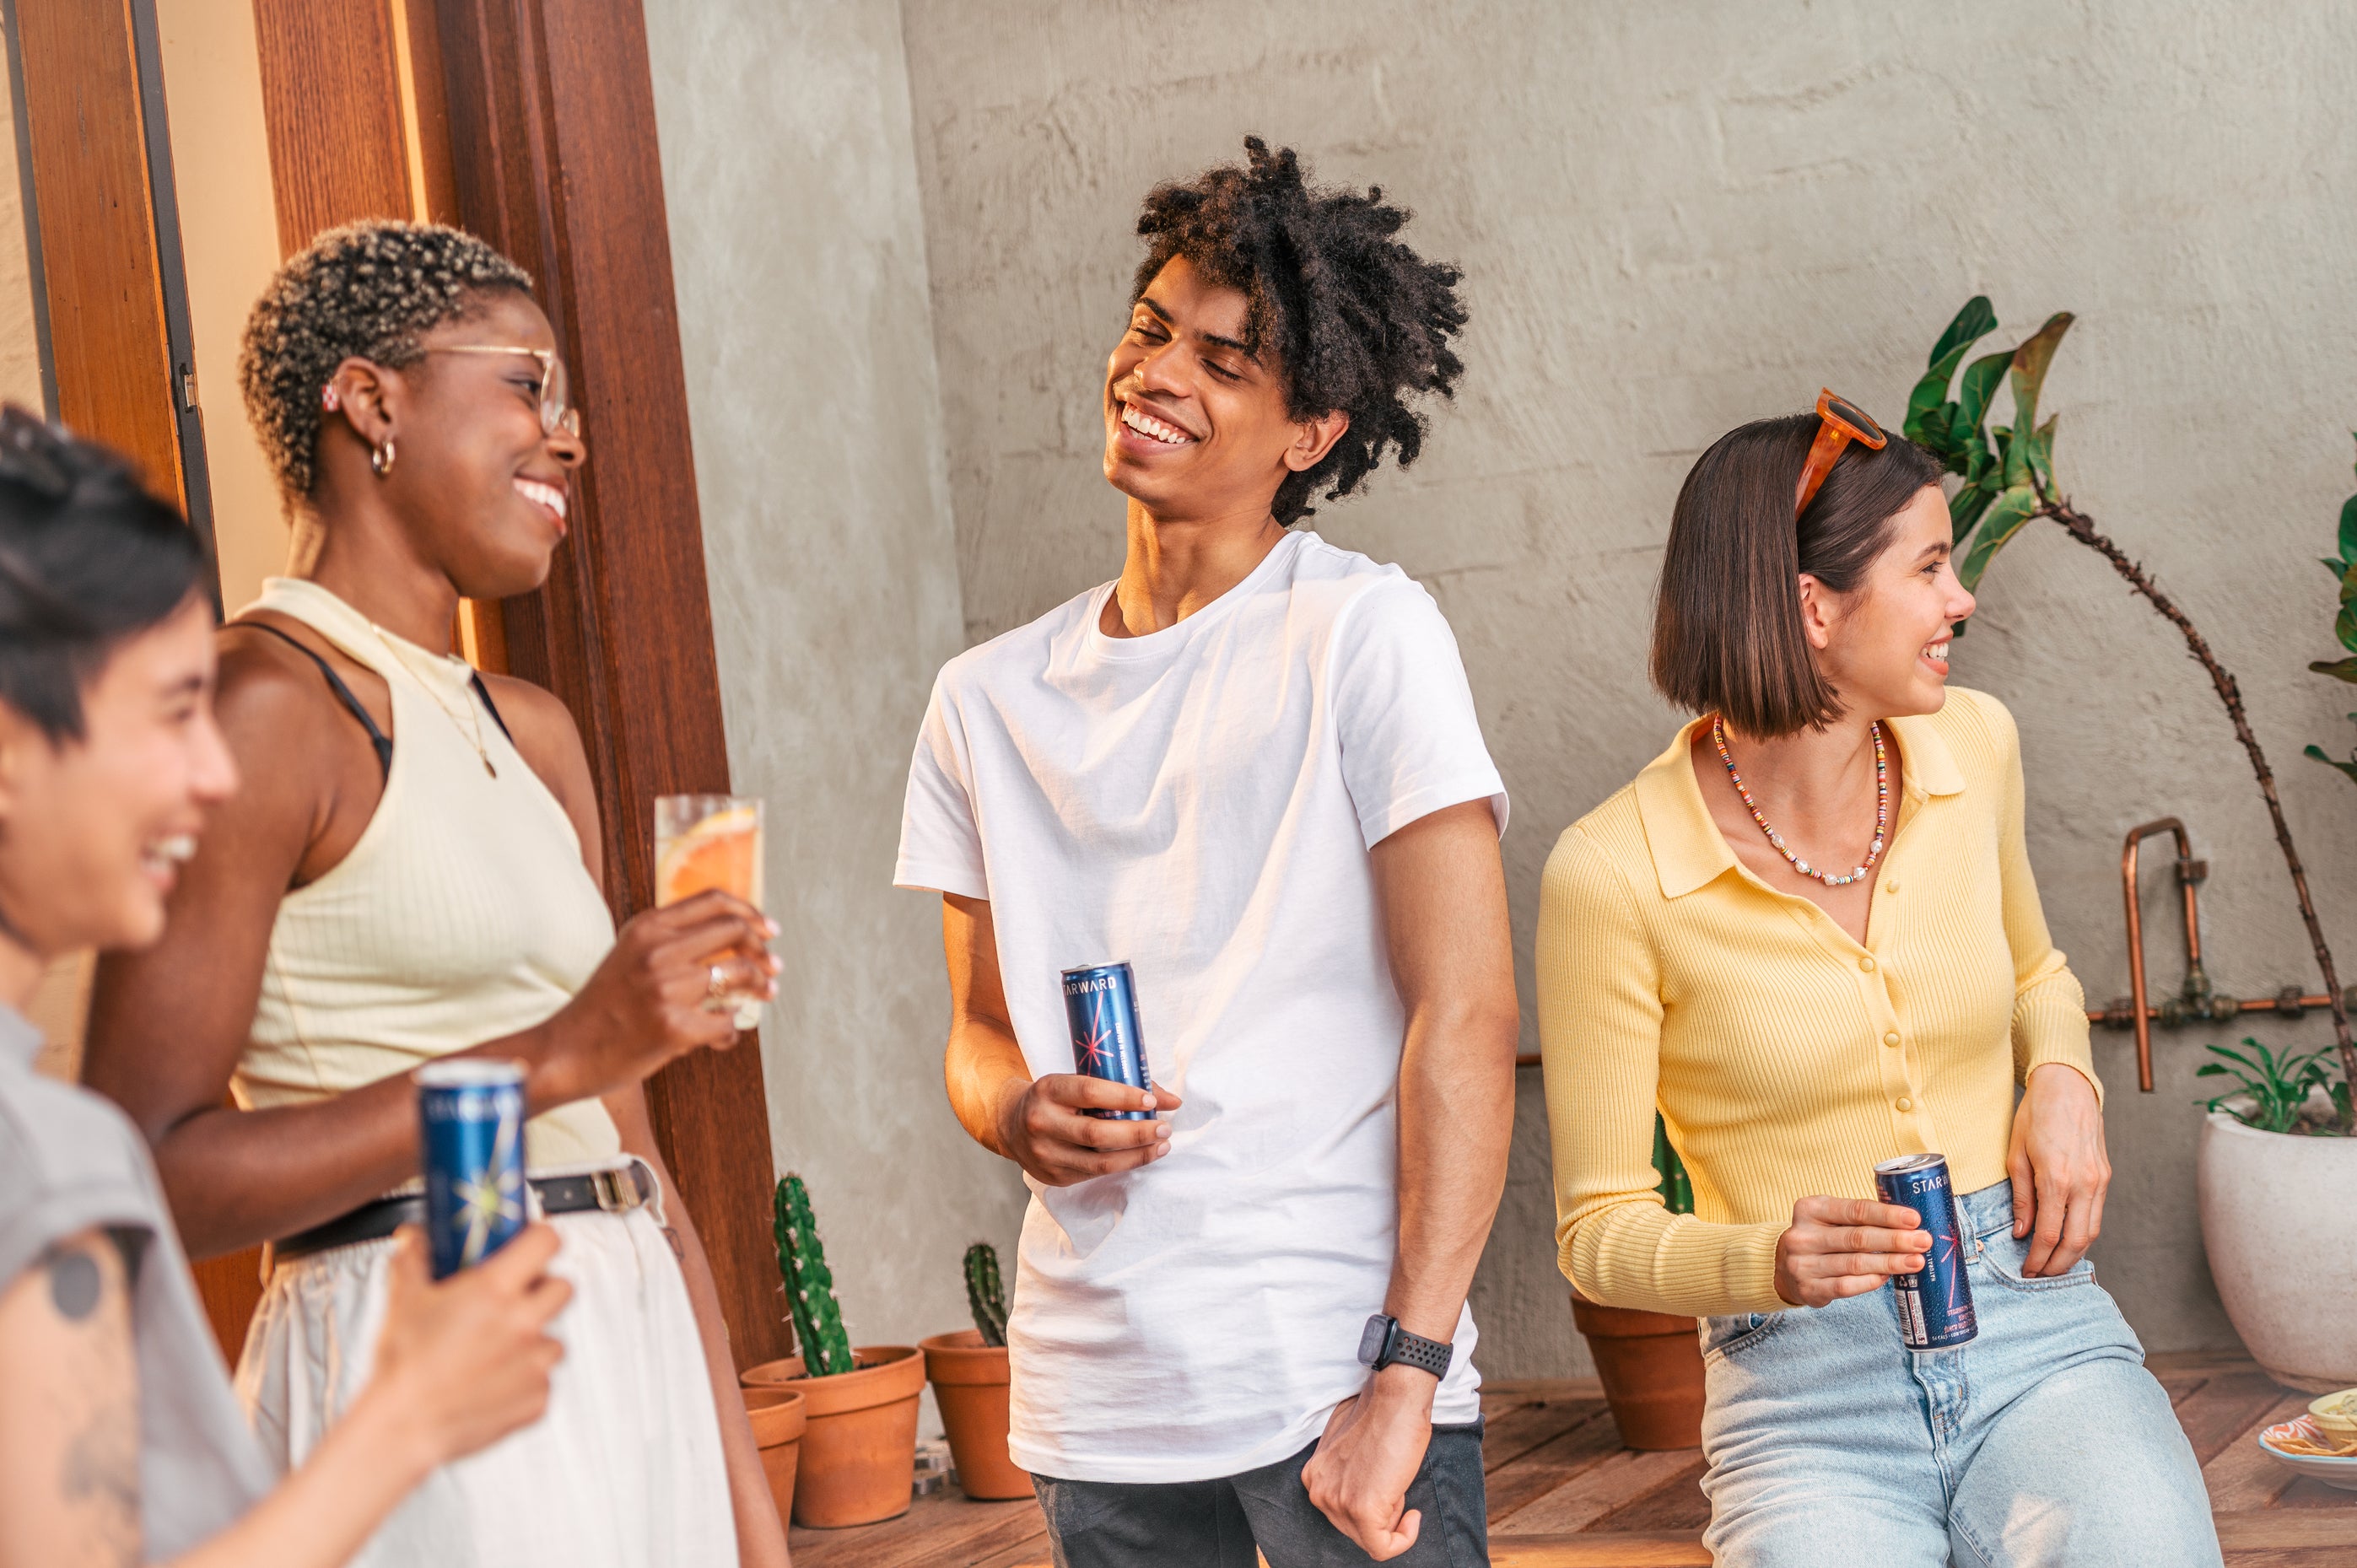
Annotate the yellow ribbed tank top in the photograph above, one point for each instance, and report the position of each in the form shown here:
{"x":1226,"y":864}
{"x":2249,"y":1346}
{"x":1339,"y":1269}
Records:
{"x":463,"y":914}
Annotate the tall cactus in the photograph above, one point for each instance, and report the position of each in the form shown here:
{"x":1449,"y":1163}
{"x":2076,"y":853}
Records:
{"x":983,"y":1293}
{"x":810,"y":1285}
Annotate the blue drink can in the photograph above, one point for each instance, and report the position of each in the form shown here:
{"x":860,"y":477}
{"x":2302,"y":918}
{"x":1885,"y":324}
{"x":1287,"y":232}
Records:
{"x":1101,"y":1006}
{"x":1935,"y":1305}
{"x":470,"y":1112}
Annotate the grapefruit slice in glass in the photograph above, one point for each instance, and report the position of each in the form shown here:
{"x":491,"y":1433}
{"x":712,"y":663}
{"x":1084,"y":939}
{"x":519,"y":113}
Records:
{"x":722,"y":851}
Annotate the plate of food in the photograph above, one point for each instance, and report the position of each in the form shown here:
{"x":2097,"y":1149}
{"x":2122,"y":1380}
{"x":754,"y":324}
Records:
{"x":2322,"y":1444}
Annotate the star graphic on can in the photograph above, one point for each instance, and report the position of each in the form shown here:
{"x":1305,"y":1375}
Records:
{"x":494,"y":1201}
{"x":1951,"y":1247}
{"x":1098,"y":1050}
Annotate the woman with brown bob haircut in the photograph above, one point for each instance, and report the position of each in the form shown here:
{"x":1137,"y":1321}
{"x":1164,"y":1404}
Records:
{"x":1807,"y":935}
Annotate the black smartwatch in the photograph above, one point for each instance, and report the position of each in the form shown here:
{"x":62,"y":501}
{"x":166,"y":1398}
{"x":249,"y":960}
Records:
{"x":1385,"y":1343}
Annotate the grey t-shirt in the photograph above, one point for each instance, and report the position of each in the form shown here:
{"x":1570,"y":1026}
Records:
{"x":70,"y":1162}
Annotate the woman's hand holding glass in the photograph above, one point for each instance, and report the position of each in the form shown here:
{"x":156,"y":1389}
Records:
{"x":1838,"y":1247}
{"x":2059,"y":1168}
{"x":650,"y":1000}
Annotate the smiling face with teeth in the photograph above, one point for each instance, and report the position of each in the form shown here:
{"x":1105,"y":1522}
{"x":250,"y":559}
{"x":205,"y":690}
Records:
{"x":1884,"y":645}
{"x":93,"y":830}
{"x":1196,"y":424}
{"x":476,"y":489}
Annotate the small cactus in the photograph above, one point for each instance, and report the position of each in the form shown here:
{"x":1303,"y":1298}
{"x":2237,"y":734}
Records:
{"x":983,"y":1293}
{"x":1677,"y":1187}
{"x":810,"y":1286}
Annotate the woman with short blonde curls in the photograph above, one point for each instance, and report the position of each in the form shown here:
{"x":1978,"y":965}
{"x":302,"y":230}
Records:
{"x":1807,"y":934}
{"x":413,"y":871}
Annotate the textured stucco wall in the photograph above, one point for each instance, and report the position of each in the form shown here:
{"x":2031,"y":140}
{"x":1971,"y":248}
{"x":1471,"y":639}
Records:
{"x":1679,"y":216}
{"x":799,"y":254}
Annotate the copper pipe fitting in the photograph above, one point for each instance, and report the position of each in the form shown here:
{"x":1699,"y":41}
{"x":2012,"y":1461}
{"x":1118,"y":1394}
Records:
{"x":2190,"y":872}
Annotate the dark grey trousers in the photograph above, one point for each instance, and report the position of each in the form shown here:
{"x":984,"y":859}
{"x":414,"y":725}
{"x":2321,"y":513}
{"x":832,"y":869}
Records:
{"x":1221,"y":1524}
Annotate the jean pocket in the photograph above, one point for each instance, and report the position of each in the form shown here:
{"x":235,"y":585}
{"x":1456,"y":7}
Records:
{"x":2005,"y":1254}
{"x":1738,"y":1332}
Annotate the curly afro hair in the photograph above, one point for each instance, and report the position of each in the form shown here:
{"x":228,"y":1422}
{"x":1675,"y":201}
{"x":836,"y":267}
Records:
{"x":367,"y":290}
{"x":1357,"y":321}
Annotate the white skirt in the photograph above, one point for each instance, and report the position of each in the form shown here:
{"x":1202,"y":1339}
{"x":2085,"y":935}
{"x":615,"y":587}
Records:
{"x":625,"y":1468}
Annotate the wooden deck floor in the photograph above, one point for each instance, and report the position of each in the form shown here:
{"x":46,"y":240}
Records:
{"x":1564,"y":1494}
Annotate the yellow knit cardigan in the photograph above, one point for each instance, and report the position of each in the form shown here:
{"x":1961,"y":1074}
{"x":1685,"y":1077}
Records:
{"x":1785,"y":1058}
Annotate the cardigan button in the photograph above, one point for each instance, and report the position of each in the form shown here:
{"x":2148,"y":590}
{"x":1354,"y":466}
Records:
{"x":1891,"y":1038}
{"x":1866,"y":964}
{"x":1890,"y":888}
{"x":1905,"y":1103}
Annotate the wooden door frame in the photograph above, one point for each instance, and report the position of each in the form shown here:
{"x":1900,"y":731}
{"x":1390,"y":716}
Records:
{"x":550,"y":112}
{"x":532,"y":125}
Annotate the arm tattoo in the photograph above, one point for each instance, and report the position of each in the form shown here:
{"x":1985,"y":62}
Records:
{"x":85,"y":1394}
{"x":102,"y":1475}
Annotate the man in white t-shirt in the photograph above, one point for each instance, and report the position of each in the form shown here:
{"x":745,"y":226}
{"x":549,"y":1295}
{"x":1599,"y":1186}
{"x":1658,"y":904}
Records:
{"x":1250,"y":768}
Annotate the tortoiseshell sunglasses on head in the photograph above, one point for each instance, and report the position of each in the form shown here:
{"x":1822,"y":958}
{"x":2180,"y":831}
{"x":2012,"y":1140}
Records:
{"x":1840,"y":422}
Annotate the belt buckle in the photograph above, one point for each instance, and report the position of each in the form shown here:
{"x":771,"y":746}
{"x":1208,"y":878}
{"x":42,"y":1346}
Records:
{"x":614,"y":1195}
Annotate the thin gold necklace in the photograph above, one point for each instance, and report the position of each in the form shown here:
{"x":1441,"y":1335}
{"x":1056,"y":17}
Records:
{"x":472,"y":730}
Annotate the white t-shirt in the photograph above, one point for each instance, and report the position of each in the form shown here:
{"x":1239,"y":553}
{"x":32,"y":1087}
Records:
{"x":1199,"y":802}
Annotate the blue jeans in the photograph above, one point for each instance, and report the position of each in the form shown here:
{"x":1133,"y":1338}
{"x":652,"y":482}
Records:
{"x":2043,"y":1440}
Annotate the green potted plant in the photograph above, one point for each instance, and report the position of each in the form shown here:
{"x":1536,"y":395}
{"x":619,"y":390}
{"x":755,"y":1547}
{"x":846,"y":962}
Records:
{"x":1649,"y":1362}
{"x":858,"y":1448}
{"x":2008,"y":483}
{"x":968,"y":1368}
{"x":2285,"y":1265}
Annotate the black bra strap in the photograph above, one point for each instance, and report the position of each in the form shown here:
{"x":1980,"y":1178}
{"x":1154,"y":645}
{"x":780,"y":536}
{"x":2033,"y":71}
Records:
{"x":476,"y":681}
{"x":382,"y":742}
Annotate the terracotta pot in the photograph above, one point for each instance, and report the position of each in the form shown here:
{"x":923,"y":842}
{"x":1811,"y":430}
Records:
{"x":1650,"y":1364}
{"x":859,"y":1446}
{"x":777,"y":1415}
{"x":771,"y":1374}
{"x":2282,"y":1241}
{"x":970,"y":1385}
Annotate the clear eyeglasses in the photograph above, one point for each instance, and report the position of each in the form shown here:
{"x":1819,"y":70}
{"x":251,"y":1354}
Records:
{"x":557,"y":411}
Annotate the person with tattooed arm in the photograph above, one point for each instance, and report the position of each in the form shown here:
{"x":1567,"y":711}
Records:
{"x":120,"y":1439}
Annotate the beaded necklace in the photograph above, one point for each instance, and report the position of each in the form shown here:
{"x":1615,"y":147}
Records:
{"x":1881,"y":809}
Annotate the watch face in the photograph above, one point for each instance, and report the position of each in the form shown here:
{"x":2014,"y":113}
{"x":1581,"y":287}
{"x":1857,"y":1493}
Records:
{"x":1370,"y":1342}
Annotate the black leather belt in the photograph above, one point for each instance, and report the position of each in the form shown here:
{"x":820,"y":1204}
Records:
{"x":613,"y":1192}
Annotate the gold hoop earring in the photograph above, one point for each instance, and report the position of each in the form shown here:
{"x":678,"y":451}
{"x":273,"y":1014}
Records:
{"x":380,"y":457}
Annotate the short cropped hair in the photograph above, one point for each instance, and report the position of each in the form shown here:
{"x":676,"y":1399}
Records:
{"x":367,"y":290}
{"x":88,"y":558}
{"x":1358,"y":322}
{"x":1727,"y":616}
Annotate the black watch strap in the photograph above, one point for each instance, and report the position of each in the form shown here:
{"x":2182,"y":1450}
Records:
{"x":1393,"y":1344}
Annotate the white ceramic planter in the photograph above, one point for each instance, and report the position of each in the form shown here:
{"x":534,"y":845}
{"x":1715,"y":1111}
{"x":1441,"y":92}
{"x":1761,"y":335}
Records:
{"x":2279,"y":1220}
